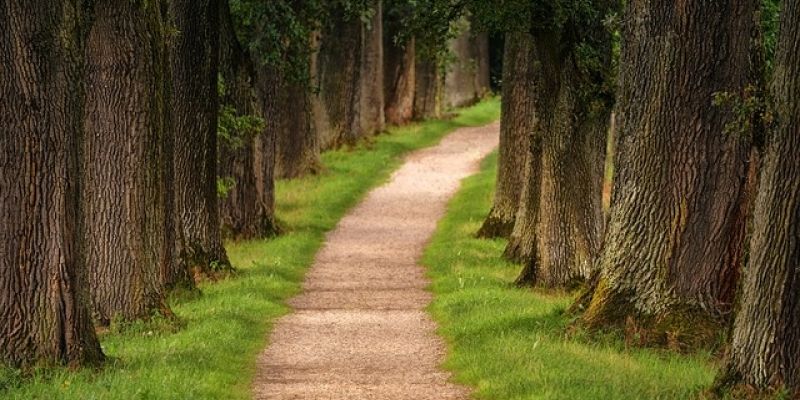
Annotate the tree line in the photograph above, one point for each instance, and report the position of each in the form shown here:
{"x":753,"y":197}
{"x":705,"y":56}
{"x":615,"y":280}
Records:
{"x":700,"y":241}
{"x":137,"y":135}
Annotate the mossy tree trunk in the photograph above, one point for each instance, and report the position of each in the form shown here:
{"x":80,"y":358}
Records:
{"x":44,"y":279}
{"x":297,"y":142}
{"x":673,"y":249}
{"x":127,"y":188}
{"x":765,"y":350}
{"x":466,"y":77}
{"x":371,"y":99}
{"x":242,"y":214}
{"x":194,"y":59}
{"x":517,"y":118}
{"x":400,"y":75}
{"x":570,"y":125}
{"x":338,"y":75}
{"x":428,"y":87}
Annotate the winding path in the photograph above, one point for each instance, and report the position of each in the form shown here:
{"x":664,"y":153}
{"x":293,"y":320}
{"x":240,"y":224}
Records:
{"x":359,"y":330}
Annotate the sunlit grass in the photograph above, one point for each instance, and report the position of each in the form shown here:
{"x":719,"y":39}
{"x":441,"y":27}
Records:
{"x":510,"y":343}
{"x":212,"y":356}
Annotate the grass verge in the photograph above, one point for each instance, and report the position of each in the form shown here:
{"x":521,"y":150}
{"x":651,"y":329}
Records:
{"x":510,"y":343}
{"x":213,"y":355}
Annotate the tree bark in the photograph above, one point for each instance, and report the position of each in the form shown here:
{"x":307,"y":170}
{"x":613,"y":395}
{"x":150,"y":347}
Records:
{"x":467,"y":78}
{"x":428,"y":87}
{"x":673,"y":248}
{"x":242,"y":213}
{"x":765,"y":350}
{"x":296,"y":138}
{"x":195,"y":56}
{"x":338,"y":72}
{"x":522,"y":241}
{"x":460,"y":77}
{"x":43,"y":275}
{"x":127,"y":191}
{"x":517,"y":119}
{"x":400,"y":75}
{"x":371,"y":99}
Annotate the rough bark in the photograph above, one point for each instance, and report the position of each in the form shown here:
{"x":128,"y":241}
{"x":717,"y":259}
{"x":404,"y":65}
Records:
{"x":400,"y":75}
{"x":371,"y":99}
{"x":672,"y":252}
{"x":127,"y":191}
{"x":460,"y":76}
{"x":516,"y":126}
{"x":765,"y":350}
{"x":269,"y":94}
{"x":428,"y":87}
{"x":480,"y":55}
{"x":242,"y":213}
{"x":522,"y":241}
{"x":43,"y":275}
{"x":467,"y":76}
{"x":338,"y":72}
{"x":194,"y":60}
{"x":573,"y":130}
{"x":297,"y":143}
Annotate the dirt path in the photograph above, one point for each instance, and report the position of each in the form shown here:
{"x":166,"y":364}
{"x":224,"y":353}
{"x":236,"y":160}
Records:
{"x":359,"y":330}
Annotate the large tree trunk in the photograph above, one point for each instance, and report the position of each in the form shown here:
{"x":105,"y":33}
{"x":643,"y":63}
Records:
{"x":127,"y":190}
{"x":400,"y":75}
{"x":242,"y":213}
{"x":765,"y":352}
{"x":399,"y":87}
{"x":674,"y":243}
{"x":428,"y":87}
{"x":516,"y":126}
{"x":195,"y":104}
{"x":338,"y":72}
{"x":44,"y":279}
{"x":572,"y":126}
{"x":371,"y":100}
{"x":521,"y":245}
{"x":467,"y":77}
{"x":296,"y":139}
{"x":270,"y":95}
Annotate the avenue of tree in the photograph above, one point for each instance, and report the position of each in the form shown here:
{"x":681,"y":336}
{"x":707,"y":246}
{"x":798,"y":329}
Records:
{"x":136,"y":135}
{"x":139,"y":134}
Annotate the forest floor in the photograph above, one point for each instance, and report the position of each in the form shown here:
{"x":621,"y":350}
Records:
{"x":359,"y":330}
{"x":212,"y":352}
{"x":517,"y":343}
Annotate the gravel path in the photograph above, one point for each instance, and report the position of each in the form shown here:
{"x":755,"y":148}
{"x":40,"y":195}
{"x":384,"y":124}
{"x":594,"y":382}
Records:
{"x":359,"y":330}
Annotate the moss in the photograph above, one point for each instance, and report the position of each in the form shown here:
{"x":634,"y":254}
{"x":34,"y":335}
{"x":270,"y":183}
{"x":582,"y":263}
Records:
{"x":682,"y":328}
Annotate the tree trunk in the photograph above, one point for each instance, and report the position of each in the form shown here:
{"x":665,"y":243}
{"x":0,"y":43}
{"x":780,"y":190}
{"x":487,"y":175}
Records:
{"x":516,"y":126}
{"x":480,"y":55}
{"x":522,"y":241}
{"x":572,"y":127}
{"x":371,"y":100}
{"x":765,"y":352}
{"x":242,"y":214}
{"x":674,"y":243}
{"x":126,"y":191}
{"x":269,"y":94}
{"x":460,"y":77}
{"x":338,"y":72}
{"x":427,"y":89}
{"x":400,"y":80}
{"x":195,"y":104}
{"x":297,"y":142}
{"x":44,"y":279}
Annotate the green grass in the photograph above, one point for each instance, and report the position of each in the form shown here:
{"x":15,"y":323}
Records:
{"x":510,"y":343}
{"x":213,"y":355}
